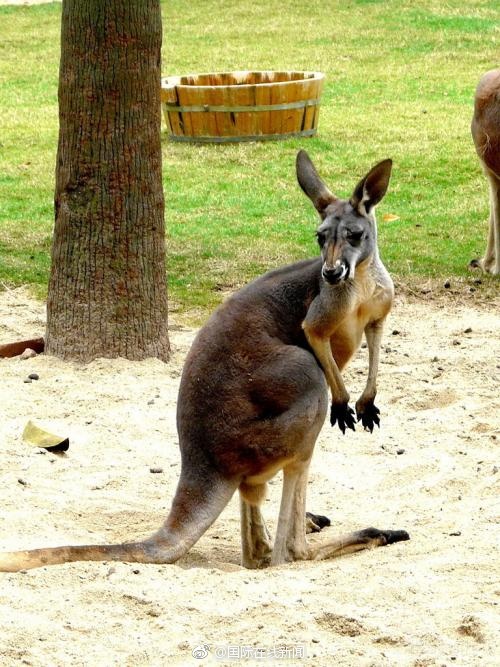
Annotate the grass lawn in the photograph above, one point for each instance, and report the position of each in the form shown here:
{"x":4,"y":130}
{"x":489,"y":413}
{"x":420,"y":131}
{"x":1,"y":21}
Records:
{"x":400,"y":81}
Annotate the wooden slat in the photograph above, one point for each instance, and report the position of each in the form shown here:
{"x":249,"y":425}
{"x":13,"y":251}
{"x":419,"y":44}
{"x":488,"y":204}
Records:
{"x":215,"y":105}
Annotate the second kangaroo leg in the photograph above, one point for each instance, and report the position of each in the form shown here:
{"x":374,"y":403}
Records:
{"x":491,"y":259}
{"x":291,"y":543}
{"x":256,"y":545}
{"x":490,"y":262}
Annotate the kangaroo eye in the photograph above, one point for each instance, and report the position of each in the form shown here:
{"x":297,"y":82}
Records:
{"x":321,"y":236}
{"x":354,"y":237}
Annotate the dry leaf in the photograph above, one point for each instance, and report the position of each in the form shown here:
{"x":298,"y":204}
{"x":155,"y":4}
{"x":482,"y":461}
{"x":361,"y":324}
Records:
{"x":390,"y":217}
{"x":38,"y":437}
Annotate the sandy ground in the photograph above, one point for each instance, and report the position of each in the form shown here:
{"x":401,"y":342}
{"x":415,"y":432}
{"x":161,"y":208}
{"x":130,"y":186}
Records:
{"x":431,"y":601}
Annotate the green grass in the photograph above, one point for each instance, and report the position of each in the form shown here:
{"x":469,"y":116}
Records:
{"x":400,"y":83}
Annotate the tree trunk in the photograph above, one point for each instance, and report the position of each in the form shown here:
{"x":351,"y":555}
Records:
{"x":107,"y":291}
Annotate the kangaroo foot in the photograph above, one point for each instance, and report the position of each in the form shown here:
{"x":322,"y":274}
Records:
{"x":383,"y":537}
{"x":368,"y":415}
{"x":316,"y":522}
{"x":486,"y":265}
{"x":368,"y":538}
{"x":343,"y":415}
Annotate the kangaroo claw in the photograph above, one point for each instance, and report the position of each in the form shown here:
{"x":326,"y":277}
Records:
{"x":343,"y":415}
{"x":316,"y":522}
{"x":368,"y":416}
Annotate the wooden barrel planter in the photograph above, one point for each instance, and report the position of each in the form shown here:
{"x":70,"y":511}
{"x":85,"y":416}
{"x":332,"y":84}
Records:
{"x":241,"y":106}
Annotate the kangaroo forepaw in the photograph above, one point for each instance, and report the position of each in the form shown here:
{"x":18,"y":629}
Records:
{"x":368,"y":415}
{"x":343,"y":415}
{"x":316,"y":522}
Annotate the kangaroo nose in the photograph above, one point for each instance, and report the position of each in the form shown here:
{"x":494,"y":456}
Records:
{"x":335,"y":274}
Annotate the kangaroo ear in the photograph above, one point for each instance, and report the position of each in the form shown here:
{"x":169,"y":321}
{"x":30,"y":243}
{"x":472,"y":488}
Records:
{"x":312,"y":184}
{"x":370,"y":190}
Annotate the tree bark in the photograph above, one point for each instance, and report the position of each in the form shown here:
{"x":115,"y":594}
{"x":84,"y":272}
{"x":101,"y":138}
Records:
{"x":107,"y":291}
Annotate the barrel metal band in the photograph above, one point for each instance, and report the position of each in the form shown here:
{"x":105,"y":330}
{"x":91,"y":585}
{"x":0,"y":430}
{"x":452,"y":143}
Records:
{"x":249,"y":137}
{"x":242,"y":109}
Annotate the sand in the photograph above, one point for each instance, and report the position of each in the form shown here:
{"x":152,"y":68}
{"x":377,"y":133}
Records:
{"x":432,"y":468}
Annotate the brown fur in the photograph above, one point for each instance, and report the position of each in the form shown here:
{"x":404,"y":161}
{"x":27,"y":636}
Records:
{"x":17,"y":348}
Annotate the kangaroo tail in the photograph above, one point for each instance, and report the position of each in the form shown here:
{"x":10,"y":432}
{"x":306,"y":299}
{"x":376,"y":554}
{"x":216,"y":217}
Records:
{"x":194,"y":508}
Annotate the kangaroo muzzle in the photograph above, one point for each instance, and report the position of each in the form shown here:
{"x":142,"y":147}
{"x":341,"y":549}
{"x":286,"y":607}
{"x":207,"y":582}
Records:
{"x":336,"y":274}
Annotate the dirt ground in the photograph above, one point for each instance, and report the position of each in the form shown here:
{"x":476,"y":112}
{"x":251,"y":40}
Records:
{"x":432,"y":468}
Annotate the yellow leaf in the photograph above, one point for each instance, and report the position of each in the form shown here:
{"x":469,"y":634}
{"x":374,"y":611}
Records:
{"x":38,"y":437}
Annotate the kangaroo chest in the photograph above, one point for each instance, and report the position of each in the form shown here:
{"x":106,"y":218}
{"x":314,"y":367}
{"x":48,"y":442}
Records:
{"x":347,"y":331}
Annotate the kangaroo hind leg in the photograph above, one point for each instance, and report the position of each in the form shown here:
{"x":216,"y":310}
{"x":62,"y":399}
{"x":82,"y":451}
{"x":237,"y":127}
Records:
{"x":492,"y":256}
{"x":290,"y":543}
{"x":256,"y":544}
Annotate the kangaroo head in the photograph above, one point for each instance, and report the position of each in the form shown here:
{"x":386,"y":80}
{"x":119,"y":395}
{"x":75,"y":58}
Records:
{"x":347,"y":234}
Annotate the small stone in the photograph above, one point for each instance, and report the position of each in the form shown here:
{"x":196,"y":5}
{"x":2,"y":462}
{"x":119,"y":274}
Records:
{"x":33,"y":376}
{"x":396,"y":332}
{"x":27,"y":381}
{"x":456,"y":342}
{"x":400,"y":451}
{"x":468,"y":330}
{"x":447,"y":284}
{"x":155,"y":612}
{"x":156,"y":471}
{"x":457,"y":533}
{"x":136,"y":571}
{"x":22,"y":481}
{"x":28,"y":354}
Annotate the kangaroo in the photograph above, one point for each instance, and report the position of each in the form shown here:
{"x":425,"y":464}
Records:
{"x":486,"y":136}
{"x":253,"y":394}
